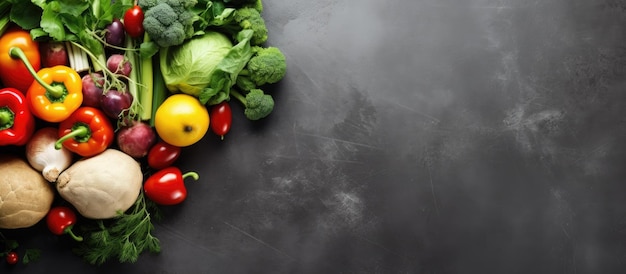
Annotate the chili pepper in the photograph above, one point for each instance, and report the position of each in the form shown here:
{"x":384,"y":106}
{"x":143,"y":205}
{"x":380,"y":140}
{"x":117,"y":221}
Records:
{"x":60,"y":220}
{"x":14,"y":73}
{"x":167,"y":186}
{"x":57,"y":92}
{"x":86,"y":132}
{"x":17,"y":124}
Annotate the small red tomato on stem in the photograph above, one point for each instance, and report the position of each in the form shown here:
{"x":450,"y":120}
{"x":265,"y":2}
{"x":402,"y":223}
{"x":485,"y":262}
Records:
{"x":12,"y":257}
{"x":162,"y":155}
{"x":60,"y":220}
{"x":133,"y":22}
{"x":167,"y":186}
{"x":221,"y":118}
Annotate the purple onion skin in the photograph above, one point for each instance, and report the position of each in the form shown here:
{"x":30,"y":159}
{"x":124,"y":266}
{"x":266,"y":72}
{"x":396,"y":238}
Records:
{"x":115,"y":34}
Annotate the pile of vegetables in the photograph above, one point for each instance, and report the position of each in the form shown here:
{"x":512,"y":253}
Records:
{"x":125,"y":85}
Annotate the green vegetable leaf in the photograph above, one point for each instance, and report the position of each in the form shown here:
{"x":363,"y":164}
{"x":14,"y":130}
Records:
{"x":73,"y":24}
{"x":51,"y":22}
{"x":25,"y":14}
{"x":31,"y":255}
{"x":88,"y":41}
{"x":227,"y":70}
{"x":38,"y":33}
{"x":74,"y":8}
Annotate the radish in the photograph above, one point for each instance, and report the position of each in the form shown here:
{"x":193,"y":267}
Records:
{"x":92,"y":89}
{"x":136,"y":139}
{"x":119,"y":64}
{"x":53,"y":54}
{"x":114,"y":102}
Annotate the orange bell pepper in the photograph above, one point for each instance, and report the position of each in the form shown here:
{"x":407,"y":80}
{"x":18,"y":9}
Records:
{"x":86,"y":132}
{"x":14,"y":73}
{"x":56,"y":91}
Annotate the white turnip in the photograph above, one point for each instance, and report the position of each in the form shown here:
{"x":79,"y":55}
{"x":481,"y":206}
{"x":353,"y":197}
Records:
{"x":136,"y":139}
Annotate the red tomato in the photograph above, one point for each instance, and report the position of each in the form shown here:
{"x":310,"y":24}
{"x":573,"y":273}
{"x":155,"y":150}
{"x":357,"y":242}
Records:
{"x":133,"y":21}
{"x":221,"y":118}
{"x":162,"y":155}
{"x":12,"y":257}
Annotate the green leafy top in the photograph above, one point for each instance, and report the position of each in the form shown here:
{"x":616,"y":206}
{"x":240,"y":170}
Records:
{"x":124,"y":237}
{"x":68,"y":20}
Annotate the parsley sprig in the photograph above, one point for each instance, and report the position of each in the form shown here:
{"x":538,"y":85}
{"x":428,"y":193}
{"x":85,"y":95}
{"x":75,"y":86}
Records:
{"x":124,"y":237}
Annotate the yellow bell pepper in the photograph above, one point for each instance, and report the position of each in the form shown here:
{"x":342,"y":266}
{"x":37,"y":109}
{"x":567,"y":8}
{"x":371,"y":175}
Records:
{"x":56,"y":91}
{"x":56,"y":106}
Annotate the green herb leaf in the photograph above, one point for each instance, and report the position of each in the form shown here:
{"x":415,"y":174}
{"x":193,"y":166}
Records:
{"x":31,"y":255}
{"x":124,"y":237}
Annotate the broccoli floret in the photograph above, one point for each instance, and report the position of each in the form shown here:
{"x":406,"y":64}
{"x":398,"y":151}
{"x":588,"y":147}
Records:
{"x":169,"y":22}
{"x":267,"y":66}
{"x":250,"y":18}
{"x":257,"y":104}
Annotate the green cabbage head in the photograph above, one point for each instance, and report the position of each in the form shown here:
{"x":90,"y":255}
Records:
{"x":188,"y":67}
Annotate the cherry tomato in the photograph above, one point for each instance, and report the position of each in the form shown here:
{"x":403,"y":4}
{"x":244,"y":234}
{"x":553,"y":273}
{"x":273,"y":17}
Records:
{"x":12,"y":257}
{"x":133,"y":21}
{"x":221,"y":118}
{"x":162,"y":155}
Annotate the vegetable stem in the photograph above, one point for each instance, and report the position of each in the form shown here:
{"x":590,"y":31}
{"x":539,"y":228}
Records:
{"x":98,"y":62}
{"x":191,"y":174}
{"x":79,"y":131}
{"x":159,"y":90}
{"x":6,"y":117}
{"x":135,"y":81}
{"x":55,"y":91}
{"x":70,"y":232}
{"x":147,"y":79}
{"x":239,"y":97}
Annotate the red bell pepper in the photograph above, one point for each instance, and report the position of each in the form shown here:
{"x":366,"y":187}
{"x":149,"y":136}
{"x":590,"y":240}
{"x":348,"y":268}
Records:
{"x":167,"y":186}
{"x":17,"y":123}
{"x":61,"y":220}
{"x":87,"y":132}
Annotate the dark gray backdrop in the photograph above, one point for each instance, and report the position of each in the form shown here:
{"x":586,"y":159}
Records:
{"x":413,"y":136}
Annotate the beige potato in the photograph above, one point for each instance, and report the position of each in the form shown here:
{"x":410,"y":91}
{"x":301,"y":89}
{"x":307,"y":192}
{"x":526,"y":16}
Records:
{"x":25,"y":195}
{"x":101,"y":186}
